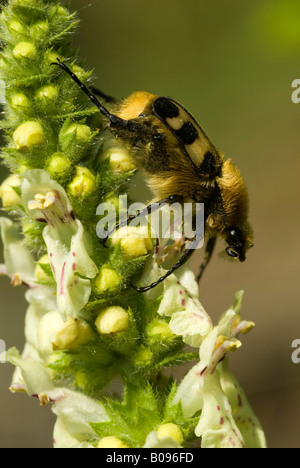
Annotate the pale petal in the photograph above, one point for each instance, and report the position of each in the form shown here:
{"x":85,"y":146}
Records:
{"x":41,"y":301}
{"x":189,"y":392}
{"x":35,"y":375}
{"x":67,"y":263}
{"x":76,"y":411}
{"x":243,"y":414}
{"x":217,"y":427}
{"x":18,"y":259}
{"x":192,"y":323}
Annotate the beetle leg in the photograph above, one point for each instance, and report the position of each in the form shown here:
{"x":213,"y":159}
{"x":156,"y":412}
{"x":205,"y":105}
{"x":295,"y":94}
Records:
{"x":185,"y":257}
{"x":209,"y":249}
{"x":142,"y":213}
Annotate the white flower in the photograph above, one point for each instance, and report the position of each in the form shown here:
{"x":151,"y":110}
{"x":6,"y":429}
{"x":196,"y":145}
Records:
{"x":243,"y":414}
{"x":180,"y":302}
{"x":75,"y":412}
{"x":19,"y":263}
{"x":33,"y":376}
{"x":209,"y":387}
{"x":46,"y":201}
{"x":217,"y":427}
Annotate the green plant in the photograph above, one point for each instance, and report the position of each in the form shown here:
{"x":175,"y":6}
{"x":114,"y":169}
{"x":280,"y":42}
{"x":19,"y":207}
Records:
{"x":85,"y":326}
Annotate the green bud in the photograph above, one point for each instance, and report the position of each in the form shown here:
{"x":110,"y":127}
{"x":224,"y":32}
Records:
{"x":46,"y":95}
{"x":170,"y":430}
{"x":143,"y":357}
{"x":74,"y":333}
{"x":28,"y":134}
{"x":110,"y":442}
{"x":83,"y":132}
{"x":20,"y":100}
{"x":75,"y":138}
{"x":114,"y":201}
{"x":107,"y":280}
{"x":16,"y":27}
{"x":24,"y":50}
{"x":59,"y":11}
{"x":9,"y":196}
{"x":24,"y":3}
{"x":52,"y":56}
{"x":39,"y":30}
{"x":112,"y":320}
{"x":83,"y":183}
{"x":159,"y":329}
{"x":80,"y":72}
{"x":59,"y":166}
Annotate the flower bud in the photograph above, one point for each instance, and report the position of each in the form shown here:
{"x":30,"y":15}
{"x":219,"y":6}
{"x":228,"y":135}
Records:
{"x":62,"y":12}
{"x":46,"y":95}
{"x":113,"y":319}
{"x":8,"y":194}
{"x":161,"y":329}
{"x":170,"y":430}
{"x":74,"y":333}
{"x":107,"y":280}
{"x":24,"y":3}
{"x":39,"y":30}
{"x":83,"y":183}
{"x":111,"y":442}
{"x":20,"y":100}
{"x":135,"y":241}
{"x":54,"y":333}
{"x":58,"y":165}
{"x":51,"y":56}
{"x":16,"y":27}
{"x":120,"y":160}
{"x":83,"y":132}
{"x":143,"y":357}
{"x":28,"y":134}
{"x":80,"y":72}
{"x":24,"y":50}
{"x":59,"y":11}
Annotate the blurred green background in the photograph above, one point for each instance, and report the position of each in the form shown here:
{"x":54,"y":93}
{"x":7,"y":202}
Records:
{"x":231,"y":64}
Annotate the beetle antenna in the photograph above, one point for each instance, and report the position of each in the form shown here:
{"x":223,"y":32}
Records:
{"x":114,"y":120}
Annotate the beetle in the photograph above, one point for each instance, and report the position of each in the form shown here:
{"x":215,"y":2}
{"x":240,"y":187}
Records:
{"x":180,"y":164}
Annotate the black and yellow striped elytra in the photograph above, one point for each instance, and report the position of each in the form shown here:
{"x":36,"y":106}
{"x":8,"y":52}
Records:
{"x":180,"y":161}
{"x":194,"y":143}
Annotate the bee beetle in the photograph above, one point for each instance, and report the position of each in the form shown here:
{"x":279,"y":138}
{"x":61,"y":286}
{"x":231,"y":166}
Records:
{"x":181,"y":164}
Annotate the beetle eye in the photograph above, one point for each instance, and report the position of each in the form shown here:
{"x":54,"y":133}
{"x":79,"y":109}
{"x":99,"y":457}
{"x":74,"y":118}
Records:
{"x":231,"y":252}
{"x":234,"y":234}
